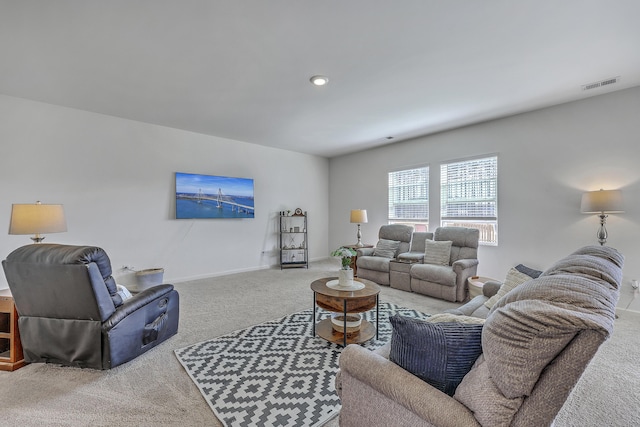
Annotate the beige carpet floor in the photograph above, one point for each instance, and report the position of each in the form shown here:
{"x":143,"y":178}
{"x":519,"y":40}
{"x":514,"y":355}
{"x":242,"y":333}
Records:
{"x":154,"y":390}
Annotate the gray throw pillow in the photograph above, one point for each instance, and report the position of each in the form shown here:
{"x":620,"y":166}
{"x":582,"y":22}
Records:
{"x":437,"y":252}
{"x":439,"y":353}
{"x":386,"y":248}
{"x":531,"y":272}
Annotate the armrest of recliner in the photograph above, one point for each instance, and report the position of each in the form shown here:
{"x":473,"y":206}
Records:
{"x":491,"y":288}
{"x":463,"y":264}
{"x":134,"y":303}
{"x":365,"y":251}
{"x":411,"y":257}
{"x":359,"y":365}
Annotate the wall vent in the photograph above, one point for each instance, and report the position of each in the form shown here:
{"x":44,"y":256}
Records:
{"x":601,"y":83}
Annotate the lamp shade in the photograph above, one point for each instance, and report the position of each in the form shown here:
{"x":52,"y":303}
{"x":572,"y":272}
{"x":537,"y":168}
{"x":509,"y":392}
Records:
{"x":609,"y":201}
{"x":37,"y":219}
{"x":359,"y":216}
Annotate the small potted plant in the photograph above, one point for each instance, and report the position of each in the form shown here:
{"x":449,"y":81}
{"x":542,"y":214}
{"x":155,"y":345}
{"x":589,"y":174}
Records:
{"x":345,"y":274}
{"x":345,"y":255}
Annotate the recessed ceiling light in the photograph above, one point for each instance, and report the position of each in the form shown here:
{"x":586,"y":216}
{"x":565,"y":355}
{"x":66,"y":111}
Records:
{"x":319,"y":80}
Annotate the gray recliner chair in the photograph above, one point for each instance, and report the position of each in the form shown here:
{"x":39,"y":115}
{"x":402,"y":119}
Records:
{"x":449,"y":282}
{"x":71,"y":314}
{"x":376,"y":268}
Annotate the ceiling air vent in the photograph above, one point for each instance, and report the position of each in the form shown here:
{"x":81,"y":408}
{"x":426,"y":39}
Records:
{"x":601,"y":83}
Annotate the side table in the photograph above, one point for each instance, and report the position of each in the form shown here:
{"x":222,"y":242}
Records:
{"x":354,"y":267}
{"x":475,"y":284}
{"x":11,"y":357}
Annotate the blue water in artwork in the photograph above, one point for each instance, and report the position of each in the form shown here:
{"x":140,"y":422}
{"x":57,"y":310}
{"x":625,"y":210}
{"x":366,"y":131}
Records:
{"x":188,"y":208}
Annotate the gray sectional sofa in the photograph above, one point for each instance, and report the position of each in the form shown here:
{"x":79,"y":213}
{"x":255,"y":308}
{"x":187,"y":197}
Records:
{"x":536,"y":341}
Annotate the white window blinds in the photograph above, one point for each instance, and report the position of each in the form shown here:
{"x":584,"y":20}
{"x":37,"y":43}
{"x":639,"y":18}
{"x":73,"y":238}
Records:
{"x":409,"y":195}
{"x":469,"y":196}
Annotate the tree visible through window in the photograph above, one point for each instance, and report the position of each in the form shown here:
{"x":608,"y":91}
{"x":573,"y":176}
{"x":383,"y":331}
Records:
{"x":469,"y":196}
{"x":409,"y":198}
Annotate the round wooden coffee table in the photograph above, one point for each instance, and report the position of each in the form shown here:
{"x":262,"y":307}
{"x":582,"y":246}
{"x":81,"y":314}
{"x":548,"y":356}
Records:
{"x":344,"y":302}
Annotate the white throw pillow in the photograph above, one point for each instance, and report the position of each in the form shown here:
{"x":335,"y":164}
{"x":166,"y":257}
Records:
{"x":437,"y":252}
{"x":459,"y":318}
{"x":124,"y":292}
{"x":386,"y":248}
{"x":514,"y":278}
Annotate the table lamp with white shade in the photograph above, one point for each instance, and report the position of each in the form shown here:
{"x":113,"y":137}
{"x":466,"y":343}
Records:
{"x":602,"y":202}
{"x":37,"y":219}
{"x":359,"y":216}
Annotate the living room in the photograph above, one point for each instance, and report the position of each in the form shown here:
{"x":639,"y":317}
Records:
{"x":116,"y":179}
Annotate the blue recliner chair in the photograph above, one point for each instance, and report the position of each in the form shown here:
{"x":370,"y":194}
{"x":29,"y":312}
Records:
{"x":71,"y":314}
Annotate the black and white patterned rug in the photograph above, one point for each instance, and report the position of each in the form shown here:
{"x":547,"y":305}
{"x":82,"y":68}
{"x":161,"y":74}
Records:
{"x":275,"y":373}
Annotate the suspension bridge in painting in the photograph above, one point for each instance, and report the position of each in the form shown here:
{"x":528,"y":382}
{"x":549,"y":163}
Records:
{"x":220,"y":199}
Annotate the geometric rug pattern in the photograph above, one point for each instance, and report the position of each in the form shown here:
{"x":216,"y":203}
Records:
{"x":275,"y":373}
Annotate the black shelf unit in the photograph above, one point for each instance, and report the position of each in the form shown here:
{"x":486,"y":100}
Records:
{"x":293,"y":242}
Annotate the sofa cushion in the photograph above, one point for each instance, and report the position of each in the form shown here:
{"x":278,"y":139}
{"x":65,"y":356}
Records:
{"x":439,"y":353}
{"x":489,"y":406}
{"x":386,"y":248}
{"x":513,"y":279}
{"x":49,"y":253}
{"x":475,"y":307}
{"x":437,"y":252}
{"x":375,"y":263}
{"x":440,"y":274}
{"x":418,"y":240}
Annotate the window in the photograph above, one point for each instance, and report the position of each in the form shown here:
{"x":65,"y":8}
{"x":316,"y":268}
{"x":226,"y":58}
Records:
{"x":469,"y":196}
{"x":409,"y":198}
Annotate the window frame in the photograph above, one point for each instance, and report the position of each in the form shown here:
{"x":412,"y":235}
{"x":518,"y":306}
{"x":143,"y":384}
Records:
{"x":488,"y":223}
{"x":419,"y":223}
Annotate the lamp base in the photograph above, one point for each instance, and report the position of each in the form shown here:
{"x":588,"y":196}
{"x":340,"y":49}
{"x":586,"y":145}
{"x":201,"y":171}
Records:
{"x":359,"y":235}
{"x":602,"y":231}
{"x":37,"y":238}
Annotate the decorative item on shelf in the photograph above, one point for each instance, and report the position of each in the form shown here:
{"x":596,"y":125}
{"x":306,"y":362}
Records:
{"x":602,"y":202}
{"x":359,"y":216}
{"x":298,"y":212}
{"x":354,"y":321}
{"x":37,"y":219}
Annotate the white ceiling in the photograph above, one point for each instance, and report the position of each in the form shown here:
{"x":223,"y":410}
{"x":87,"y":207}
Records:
{"x":240,"y":69}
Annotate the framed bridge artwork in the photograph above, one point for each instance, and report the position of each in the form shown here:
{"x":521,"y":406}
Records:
{"x":210,"y":196}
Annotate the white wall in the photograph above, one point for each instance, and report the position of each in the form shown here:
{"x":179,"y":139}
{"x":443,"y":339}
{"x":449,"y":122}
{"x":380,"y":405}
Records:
{"x":115,"y":178}
{"x":546,"y":159}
